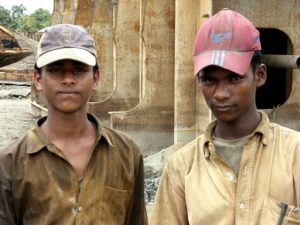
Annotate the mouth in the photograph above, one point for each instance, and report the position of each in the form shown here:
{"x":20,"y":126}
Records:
{"x":223,"y":107}
{"x":68,"y":93}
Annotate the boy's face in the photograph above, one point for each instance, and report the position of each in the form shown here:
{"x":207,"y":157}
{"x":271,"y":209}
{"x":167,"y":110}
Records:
{"x":66,"y":84}
{"x":230,"y":96}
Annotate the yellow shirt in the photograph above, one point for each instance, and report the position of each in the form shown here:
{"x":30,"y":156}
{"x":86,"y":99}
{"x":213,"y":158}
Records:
{"x":39,"y":187}
{"x":198,"y":188}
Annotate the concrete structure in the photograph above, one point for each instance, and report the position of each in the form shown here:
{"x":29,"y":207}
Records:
{"x":145,"y":51}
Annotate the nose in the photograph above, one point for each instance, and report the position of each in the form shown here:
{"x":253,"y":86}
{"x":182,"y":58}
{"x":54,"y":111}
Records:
{"x":222,"y":92}
{"x":68,"y":77}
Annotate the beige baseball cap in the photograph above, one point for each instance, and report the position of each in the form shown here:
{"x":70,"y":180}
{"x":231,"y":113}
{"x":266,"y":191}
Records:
{"x":66,"y":41}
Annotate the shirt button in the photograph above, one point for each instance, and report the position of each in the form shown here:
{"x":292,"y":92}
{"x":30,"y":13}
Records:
{"x":79,"y":209}
{"x":242,"y":205}
{"x":230,"y":176}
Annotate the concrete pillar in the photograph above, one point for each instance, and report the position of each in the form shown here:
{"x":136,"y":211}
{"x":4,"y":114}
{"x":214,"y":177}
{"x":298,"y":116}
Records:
{"x":57,"y":15}
{"x":101,"y":29}
{"x":204,"y":115}
{"x":185,"y":82}
{"x":85,"y":19}
{"x":151,"y":123}
{"x":125,"y":70}
{"x":70,"y":10}
{"x":97,"y":17}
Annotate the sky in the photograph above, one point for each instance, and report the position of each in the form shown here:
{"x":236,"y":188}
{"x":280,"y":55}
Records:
{"x":30,"y":5}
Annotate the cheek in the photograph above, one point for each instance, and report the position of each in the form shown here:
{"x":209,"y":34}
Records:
{"x":246,"y":94}
{"x":207,"y":92}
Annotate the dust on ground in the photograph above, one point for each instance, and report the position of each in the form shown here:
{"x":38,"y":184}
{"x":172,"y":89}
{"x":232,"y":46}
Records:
{"x":16,"y":115}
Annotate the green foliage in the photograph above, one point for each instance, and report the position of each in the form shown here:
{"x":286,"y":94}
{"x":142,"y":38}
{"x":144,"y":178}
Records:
{"x":5,"y":16}
{"x":17,"y":12}
{"x":36,"y":21}
{"x":16,"y":19}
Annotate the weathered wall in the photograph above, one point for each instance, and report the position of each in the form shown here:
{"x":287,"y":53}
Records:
{"x":145,"y":52}
{"x":151,"y":122}
{"x":135,"y":46}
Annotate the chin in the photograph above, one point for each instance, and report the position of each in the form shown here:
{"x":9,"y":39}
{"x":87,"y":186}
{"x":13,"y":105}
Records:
{"x":225,"y":117}
{"x":69,"y":109}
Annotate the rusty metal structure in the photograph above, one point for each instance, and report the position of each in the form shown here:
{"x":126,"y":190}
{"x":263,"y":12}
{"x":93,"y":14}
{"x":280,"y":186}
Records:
{"x":10,"y":51}
{"x":145,"y":50}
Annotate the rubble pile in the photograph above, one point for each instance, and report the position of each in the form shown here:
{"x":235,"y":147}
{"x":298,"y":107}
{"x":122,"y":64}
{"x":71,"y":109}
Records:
{"x":154,"y":166}
{"x":19,"y":90}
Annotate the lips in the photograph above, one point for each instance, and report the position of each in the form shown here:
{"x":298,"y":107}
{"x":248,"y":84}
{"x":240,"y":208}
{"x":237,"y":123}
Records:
{"x":222,"y":107}
{"x":68,"y":93}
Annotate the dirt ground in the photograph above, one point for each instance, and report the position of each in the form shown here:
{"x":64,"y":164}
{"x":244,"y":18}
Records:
{"x":16,"y":116}
{"x":15,"y":119}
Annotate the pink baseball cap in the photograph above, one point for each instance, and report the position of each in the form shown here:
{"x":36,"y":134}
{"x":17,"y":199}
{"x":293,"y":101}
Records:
{"x":228,"y":40}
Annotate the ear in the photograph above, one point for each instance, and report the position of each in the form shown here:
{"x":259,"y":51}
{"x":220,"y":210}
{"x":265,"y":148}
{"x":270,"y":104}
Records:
{"x":37,"y":79}
{"x":96,"y":79}
{"x":261,"y":75}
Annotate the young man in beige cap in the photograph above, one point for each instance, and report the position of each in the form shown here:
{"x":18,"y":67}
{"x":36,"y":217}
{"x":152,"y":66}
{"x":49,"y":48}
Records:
{"x":243,"y":169}
{"x":69,"y":169}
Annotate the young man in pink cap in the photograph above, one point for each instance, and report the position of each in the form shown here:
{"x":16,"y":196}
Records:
{"x":243,"y":169}
{"x":69,"y":169}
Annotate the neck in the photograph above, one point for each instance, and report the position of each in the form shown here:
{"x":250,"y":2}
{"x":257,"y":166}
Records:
{"x":239,"y":128}
{"x":66,"y":126}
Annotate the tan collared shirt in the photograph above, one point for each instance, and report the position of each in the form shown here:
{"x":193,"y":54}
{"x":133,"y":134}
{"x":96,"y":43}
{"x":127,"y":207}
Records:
{"x":199,"y":188}
{"x":39,"y":187}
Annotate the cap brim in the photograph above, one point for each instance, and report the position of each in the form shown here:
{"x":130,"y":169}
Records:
{"x":237,"y":62}
{"x":77,"y":54}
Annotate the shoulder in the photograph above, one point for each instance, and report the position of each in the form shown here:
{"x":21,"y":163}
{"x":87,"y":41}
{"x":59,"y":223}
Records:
{"x":113,"y":137}
{"x":188,"y":155}
{"x":117,"y":137}
{"x":285,"y":132}
{"x":12,"y":156}
{"x":284,"y":139}
{"x":121,"y":143}
{"x":16,"y":147}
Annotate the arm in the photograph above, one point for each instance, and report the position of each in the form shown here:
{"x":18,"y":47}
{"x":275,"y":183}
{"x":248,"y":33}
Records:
{"x":296,"y":175}
{"x":139,"y":215}
{"x":170,"y":205}
{"x":7,"y":214}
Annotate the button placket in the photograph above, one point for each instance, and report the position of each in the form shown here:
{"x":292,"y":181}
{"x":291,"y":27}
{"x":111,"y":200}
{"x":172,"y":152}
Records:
{"x":244,"y":182}
{"x":242,"y":205}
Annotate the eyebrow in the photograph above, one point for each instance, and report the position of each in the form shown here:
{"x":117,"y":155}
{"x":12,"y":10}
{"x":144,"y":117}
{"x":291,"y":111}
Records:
{"x":203,"y":74}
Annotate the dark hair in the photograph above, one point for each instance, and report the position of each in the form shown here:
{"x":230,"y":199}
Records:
{"x":39,"y":70}
{"x":256,"y":60}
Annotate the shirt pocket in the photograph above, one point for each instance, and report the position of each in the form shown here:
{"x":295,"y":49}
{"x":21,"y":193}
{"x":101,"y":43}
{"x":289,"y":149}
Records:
{"x":271,"y":212}
{"x":116,"y":203}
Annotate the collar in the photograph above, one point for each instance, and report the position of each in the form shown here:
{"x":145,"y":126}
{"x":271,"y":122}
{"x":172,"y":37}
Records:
{"x":262,"y":130}
{"x":37,"y":140}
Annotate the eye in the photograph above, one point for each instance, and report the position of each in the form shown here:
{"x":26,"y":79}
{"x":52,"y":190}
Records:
{"x":235,"y":78}
{"x":55,"y":70}
{"x":206,"y":81}
{"x":80,"y":70}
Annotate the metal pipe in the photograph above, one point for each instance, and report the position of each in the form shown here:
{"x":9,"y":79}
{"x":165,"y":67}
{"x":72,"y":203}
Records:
{"x":282,"y":61}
